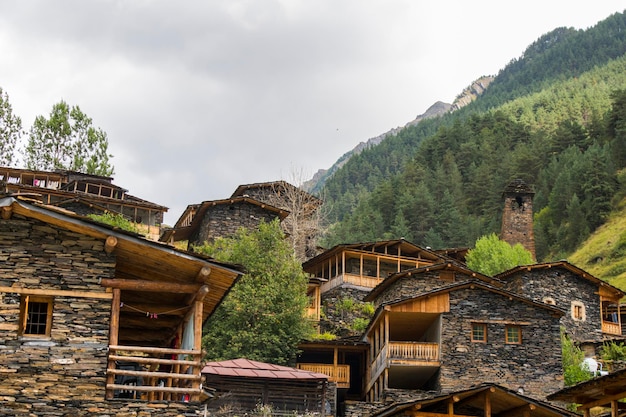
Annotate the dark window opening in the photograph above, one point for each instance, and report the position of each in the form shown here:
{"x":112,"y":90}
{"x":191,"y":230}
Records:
{"x":36,"y":316}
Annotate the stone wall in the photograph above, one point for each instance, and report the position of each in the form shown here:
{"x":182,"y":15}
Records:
{"x":223,"y":220}
{"x":517,"y":216}
{"x":39,"y":373}
{"x":563,"y":286}
{"x":97,"y":408}
{"x":336,"y":318}
{"x":535,"y":364}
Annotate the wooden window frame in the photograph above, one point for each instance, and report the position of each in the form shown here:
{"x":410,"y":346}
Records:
{"x":484,"y":332}
{"x":578,"y":311}
{"x":518,"y":332}
{"x":24,"y":303}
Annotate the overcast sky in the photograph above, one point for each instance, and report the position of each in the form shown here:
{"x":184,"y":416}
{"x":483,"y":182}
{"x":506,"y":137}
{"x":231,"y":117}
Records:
{"x":198,"y":97}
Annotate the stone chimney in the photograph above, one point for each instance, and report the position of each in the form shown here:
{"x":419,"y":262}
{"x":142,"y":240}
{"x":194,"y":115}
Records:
{"x":517,"y":218}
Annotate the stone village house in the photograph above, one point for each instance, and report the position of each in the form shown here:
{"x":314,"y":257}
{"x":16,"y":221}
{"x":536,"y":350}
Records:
{"x":83,"y":194}
{"x":86,"y":311}
{"x":440,"y":327}
{"x":297,"y":210}
{"x":93,"y":319}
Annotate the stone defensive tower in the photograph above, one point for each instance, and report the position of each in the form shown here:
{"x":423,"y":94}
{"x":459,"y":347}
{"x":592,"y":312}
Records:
{"x":517,"y":218}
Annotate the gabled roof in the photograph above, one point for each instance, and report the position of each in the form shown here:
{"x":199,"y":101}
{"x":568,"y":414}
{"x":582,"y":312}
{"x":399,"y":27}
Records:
{"x":387,"y":282}
{"x":502,"y":401}
{"x":471,"y":283}
{"x":63,"y":180}
{"x":246,"y":368}
{"x":241,"y":191}
{"x":565,"y":265}
{"x":140,"y":260}
{"x":595,"y":390}
{"x":180,"y":232}
{"x":406,"y":249}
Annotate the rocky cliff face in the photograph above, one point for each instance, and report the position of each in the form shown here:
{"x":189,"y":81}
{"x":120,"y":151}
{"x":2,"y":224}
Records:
{"x":470,"y":93}
{"x":438,"y":109}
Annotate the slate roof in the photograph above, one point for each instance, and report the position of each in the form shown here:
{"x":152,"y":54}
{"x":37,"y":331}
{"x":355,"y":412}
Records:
{"x":503,"y":276}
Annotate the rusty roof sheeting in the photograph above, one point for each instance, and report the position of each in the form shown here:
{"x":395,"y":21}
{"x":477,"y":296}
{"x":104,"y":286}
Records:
{"x":246,"y":368}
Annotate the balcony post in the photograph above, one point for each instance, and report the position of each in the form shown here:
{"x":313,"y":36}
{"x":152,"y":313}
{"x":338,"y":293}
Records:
{"x":386,"y":328}
{"x":619,"y":318}
{"x":197,"y":346}
{"x":113,"y":336}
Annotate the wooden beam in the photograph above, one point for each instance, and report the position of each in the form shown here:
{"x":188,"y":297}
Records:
{"x":606,"y":400}
{"x":113,"y":336}
{"x":204,"y":272}
{"x":199,"y":296}
{"x":109,"y":244}
{"x":7,"y":212}
{"x":151,"y":286}
{"x":115,"y":317}
{"x":487,"y":406}
{"x":57,"y":293}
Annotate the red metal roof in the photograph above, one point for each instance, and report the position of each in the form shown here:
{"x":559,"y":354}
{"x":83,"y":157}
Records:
{"x":252,"y":369}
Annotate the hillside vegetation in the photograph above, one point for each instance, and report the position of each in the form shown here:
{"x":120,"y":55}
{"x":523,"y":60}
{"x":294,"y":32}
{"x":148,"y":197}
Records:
{"x":603,"y":254}
{"x":555,"y":117}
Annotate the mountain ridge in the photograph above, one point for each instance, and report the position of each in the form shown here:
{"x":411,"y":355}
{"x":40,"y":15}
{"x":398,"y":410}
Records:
{"x":439,"y":108}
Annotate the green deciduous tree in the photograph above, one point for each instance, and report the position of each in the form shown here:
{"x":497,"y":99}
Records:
{"x":263,"y":316}
{"x":573,"y":357}
{"x":67,"y":140}
{"x":10,"y":130}
{"x":491,"y":255}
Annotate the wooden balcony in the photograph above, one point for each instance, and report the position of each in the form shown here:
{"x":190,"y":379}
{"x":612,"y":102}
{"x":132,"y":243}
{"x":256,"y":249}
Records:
{"x":609,"y":327}
{"x":403,"y":354}
{"x":153,"y":374}
{"x":340,"y":374}
{"x":358,"y":280}
{"x":413,"y":351}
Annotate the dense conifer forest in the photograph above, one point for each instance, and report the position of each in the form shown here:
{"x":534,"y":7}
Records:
{"x":554,"y":117}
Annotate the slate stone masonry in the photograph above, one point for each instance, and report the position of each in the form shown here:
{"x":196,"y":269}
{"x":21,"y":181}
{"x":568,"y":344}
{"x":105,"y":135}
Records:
{"x":564,"y":287}
{"x":534,"y":364}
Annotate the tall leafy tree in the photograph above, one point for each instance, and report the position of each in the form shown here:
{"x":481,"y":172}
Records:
{"x":491,"y":255}
{"x":67,"y":140}
{"x":10,"y":130}
{"x":263,"y":317}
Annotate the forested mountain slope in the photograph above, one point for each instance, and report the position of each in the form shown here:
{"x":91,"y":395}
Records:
{"x":555,"y":117}
{"x":604,"y":253}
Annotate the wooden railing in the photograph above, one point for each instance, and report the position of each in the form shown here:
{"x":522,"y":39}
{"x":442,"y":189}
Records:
{"x":152,"y":374}
{"x":361,"y":281}
{"x":611,"y":328}
{"x":402,"y":353}
{"x":414,"y":350}
{"x":339,"y":374}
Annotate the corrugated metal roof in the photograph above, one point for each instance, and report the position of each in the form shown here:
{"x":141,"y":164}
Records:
{"x":253,"y":369}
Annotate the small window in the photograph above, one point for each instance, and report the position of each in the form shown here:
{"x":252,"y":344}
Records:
{"x":513,"y":334}
{"x":578,"y":311}
{"x":479,"y":332}
{"x":36,"y":316}
{"x":549,"y":300}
